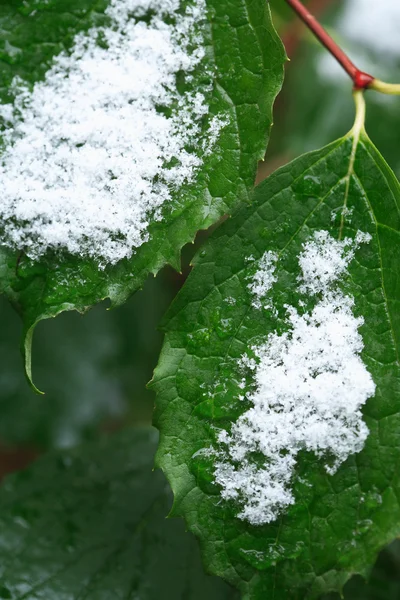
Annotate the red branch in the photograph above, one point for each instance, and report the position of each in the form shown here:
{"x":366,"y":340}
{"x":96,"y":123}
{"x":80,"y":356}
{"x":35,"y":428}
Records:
{"x":293,"y":33}
{"x":360,"y":79}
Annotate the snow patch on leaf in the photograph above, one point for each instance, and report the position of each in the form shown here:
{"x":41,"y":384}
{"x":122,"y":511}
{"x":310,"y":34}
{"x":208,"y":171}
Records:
{"x":264,"y":278}
{"x":93,"y":153}
{"x":310,"y":386}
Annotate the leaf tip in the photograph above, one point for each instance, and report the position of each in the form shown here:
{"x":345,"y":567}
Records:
{"x":176,"y":263}
{"x":27,"y":355}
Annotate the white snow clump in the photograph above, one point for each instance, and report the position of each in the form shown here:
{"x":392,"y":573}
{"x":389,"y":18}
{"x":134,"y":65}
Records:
{"x":310,"y":385}
{"x":264,"y":278}
{"x":90,"y":154}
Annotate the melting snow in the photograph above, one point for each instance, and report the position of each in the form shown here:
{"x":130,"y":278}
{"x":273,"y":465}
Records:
{"x":310,"y":385}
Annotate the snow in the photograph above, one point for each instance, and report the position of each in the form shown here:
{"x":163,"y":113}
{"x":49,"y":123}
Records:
{"x":310,"y":384}
{"x":264,"y":278}
{"x":91,"y":157}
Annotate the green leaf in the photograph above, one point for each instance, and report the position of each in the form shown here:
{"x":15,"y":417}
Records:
{"x":338,"y":522}
{"x":384,"y":581}
{"x":94,"y":370}
{"x":245,"y":57}
{"x":91,"y":523}
{"x":34,"y":31}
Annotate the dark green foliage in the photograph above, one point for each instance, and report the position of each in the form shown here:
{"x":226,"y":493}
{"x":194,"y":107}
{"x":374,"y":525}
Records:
{"x":94,"y":369}
{"x":245,"y":54}
{"x":92,"y":524}
{"x":338,"y":523}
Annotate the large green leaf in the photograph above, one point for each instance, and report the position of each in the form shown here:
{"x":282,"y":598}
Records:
{"x":338,"y":522}
{"x":245,"y":57}
{"x":92,"y":524}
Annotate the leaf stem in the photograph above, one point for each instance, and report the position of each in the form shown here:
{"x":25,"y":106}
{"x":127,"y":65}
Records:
{"x":385,"y":88}
{"x":356,"y":132}
{"x":361,"y":80}
{"x":359,"y":122}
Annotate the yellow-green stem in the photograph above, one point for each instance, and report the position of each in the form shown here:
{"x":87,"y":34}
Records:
{"x":356,"y":131}
{"x":384,"y":88}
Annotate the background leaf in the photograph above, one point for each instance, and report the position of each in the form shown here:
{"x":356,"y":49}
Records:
{"x":92,"y":524}
{"x":338,"y":523}
{"x":94,"y":370}
{"x":246,"y":56}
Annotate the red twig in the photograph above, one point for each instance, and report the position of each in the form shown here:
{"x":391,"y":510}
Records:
{"x":293,"y":33}
{"x":360,"y":79}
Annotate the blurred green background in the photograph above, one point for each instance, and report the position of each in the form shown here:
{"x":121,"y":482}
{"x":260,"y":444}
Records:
{"x":94,"y":369}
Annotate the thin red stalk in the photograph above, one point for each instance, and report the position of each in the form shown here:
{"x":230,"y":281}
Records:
{"x":293,"y":33}
{"x":360,"y":79}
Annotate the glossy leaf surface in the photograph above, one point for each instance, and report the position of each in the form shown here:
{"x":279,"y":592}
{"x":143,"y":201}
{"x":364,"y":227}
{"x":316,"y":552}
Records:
{"x":338,"y":522}
{"x":246,"y":57}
